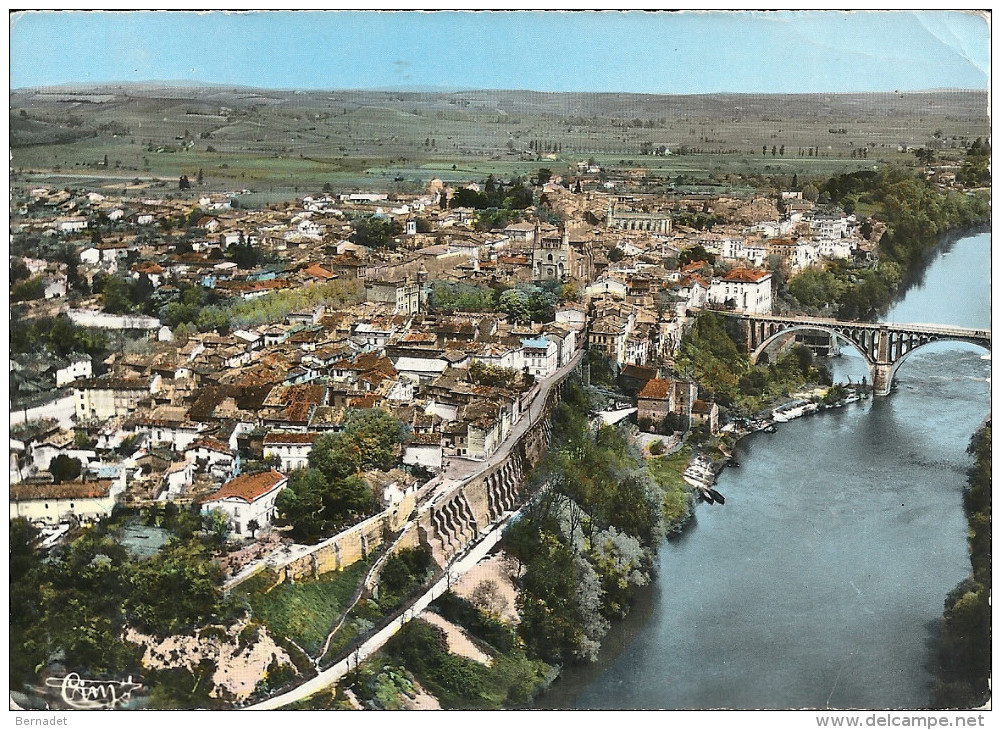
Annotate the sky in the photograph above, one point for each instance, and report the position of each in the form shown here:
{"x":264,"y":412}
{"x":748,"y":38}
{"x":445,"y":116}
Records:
{"x":690,"y":52}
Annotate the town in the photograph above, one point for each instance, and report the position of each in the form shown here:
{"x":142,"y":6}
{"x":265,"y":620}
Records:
{"x":246,"y":335}
{"x":498,"y":360}
{"x":318,"y":382}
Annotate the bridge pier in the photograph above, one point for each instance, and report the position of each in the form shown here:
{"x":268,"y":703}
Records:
{"x":882,"y":378}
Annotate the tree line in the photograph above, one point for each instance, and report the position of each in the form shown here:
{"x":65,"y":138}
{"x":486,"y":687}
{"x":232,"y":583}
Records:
{"x":963,"y":655}
{"x":916,"y":214}
{"x":587,"y":539}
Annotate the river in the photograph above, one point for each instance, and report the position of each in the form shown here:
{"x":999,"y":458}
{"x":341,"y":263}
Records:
{"x":821,"y":580}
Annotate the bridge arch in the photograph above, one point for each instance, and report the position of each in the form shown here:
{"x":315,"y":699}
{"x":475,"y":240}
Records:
{"x":859,"y":347}
{"x":892,"y":373}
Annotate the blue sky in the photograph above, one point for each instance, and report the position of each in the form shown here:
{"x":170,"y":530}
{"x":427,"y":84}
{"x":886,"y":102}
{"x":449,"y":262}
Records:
{"x":645,"y":52}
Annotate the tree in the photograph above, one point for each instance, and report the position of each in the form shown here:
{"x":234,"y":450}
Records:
{"x":24,"y":291}
{"x":117,"y":295}
{"x":253,"y":526}
{"x":336,"y":455}
{"x":217,"y":524}
{"x":515,"y":303}
{"x":696,"y":253}
{"x":351,"y":498}
{"x":245,"y":256}
{"x":176,"y":590}
{"x":377,"y":435}
{"x":373,"y":232}
{"x":183,"y":183}
{"x":300,"y":504}
{"x":18,"y":269}
{"x":64,"y":468}
{"x":544,"y":175}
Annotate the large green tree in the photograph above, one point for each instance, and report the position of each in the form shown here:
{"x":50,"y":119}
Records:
{"x":377,"y":434}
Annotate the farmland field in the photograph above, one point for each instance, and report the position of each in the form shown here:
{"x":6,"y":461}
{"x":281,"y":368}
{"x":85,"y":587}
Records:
{"x":281,"y":144}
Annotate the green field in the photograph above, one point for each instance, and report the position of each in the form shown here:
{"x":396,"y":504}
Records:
{"x":306,"y":611}
{"x":289,"y":143}
{"x":667,"y":471}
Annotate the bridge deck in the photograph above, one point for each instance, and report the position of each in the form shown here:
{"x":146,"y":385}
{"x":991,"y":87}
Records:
{"x":909,"y":328}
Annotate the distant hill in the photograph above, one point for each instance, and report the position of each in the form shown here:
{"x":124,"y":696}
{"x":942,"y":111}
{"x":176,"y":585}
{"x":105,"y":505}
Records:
{"x":958,"y":102}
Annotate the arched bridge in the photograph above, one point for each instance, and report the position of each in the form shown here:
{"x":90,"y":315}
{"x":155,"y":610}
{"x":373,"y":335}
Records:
{"x":884,"y":345}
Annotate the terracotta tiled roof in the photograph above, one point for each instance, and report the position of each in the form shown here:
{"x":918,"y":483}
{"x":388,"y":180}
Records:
{"x":211,"y":444}
{"x":247,"y":487}
{"x":656,"y":389}
{"x":425,"y":439}
{"x":747,"y":275}
{"x":364,"y":401}
{"x":318,"y":272}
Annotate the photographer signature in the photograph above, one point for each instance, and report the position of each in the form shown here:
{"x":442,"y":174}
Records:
{"x":93,"y":694}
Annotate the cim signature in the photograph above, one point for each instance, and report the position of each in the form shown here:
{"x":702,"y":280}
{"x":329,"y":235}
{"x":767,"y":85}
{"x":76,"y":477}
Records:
{"x":93,"y":694}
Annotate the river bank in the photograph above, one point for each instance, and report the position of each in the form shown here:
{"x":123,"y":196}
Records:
{"x":820,"y":582}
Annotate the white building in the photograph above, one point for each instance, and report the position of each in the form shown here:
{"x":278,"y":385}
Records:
{"x":72,"y":225}
{"x":607,"y":285}
{"x":179,"y":475}
{"x":53,"y":503}
{"x":90,"y":255}
{"x":102,"y":399}
{"x":423,"y":449}
{"x":55,"y":286}
{"x":574,"y":317}
{"x":250,"y":497}
{"x":213,"y":454}
{"x":540,"y":355}
{"x":293,"y":449}
{"x":79,"y":366}
{"x":746,"y":290}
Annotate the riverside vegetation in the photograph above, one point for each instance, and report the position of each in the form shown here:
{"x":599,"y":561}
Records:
{"x":964,"y":652}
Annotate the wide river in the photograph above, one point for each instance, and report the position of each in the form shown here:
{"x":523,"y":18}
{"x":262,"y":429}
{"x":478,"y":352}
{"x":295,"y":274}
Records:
{"x":821,"y":580}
